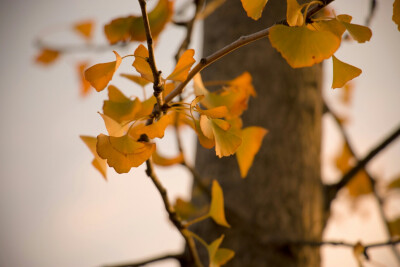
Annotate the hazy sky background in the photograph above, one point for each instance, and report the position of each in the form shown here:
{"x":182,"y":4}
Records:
{"x":56,"y":210}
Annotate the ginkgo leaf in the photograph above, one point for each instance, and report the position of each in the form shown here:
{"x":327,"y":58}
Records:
{"x":215,"y":113}
{"x":203,"y":140}
{"x":396,"y":13}
{"x":99,"y":163}
{"x":131,"y":28}
{"x":245,"y":82}
{"x":333,"y":25}
{"x":85,"y":85}
{"x":217,"y":212}
{"x":343,"y":72}
{"x":123,"y":153}
{"x":47,"y":56}
{"x":136,"y":79}
{"x":251,"y":142}
{"x":101,"y":74}
{"x":395,"y":183}
{"x":119,"y":107}
{"x":359,"y":185}
{"x":222,"y":256}
{"x":294,"y":17}
{"x":184,"y":208}
{"x":311,"y":46}
{"x":254,"y":8}
{"x":359,"y":33}
{"x":85,"y":29}
{"x":154,"y":130}
{"x":394,"y":227}
{"x":165,"y":162}
{"x":114,"y":128}
{"x":198,"y":85}
{"x":359,"y":252}
{"x":183,"y":66}
{"x":141,"y":65}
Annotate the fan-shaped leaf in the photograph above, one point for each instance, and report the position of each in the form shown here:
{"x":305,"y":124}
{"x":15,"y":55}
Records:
{"x":294,"y":17}
{"x":343,"y":72}
{"x":141,"y":65}
{"x":183,"y":66}
{"x":217,"y":212}
{"x":85,"y":29}
{"x":165,"y":162}
{"x":47,"y":56}
{"x":99,"y":163}
{"x":254,"y":8}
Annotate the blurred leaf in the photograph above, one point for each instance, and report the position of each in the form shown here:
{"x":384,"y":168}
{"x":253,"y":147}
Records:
{"x":114,"y":128}
{"x":343,"y":72}
{"x":47,"y":56}
{"x":141,"y":65}
{"x":183,"y":66}
{"x":394,"y":227}
{"x":219,"y":256}
{"x":185,"y":209}
{"x":358,"y":252}
{"x":396,"y":13}
{"x":136,"y":79}
{"x":85,"y":29}
{"x":333,"y":25}
{"x":359,"y":33}
{"x":395,"y":183}
{"x":294,"y":17}
{"x":101,"y":74}
{"x":85,"y":85}
{"x":165,"y":162}
{"x":217,"y":212}
{"x":254,"y":8}
{"x":99,"y":163}
{"x":311,"y":46}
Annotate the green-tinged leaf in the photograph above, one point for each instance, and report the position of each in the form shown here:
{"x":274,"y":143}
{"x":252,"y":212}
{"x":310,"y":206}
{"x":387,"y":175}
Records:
{"x":251,"y":142}
{"x":254,"y":8}
{"x":396,"y":13}
{"x":294,"y":17}
{"x":113,"y":127}
{"x":101,"y":74}
{"x":359,"y":185}
{"x":395,"y":183}
{"x":343,"y":72}
{"x":99,"y":163}
{"x":183,"y":66}
{"x":136,"y":79}
{"x":217,"y":212}
{"x":85,"y":85}
{"x":311,"y":46}
{"x":123,"y":153}
{"x":141,"y":65}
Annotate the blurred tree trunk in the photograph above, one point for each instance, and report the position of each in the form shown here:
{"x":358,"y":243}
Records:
{"x":281,"y":198}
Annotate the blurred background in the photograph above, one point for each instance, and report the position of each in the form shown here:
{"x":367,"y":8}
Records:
{"x":57,"y":210}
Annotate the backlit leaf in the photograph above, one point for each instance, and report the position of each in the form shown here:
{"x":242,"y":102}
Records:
{"x":214,"y":113}
{"x":254,"y":8}
{"x":251,"y":142}
{"x":198,"y":85}
{"x":99,"y":163}
{"x":217,"y":212}
{"x":123,"y":153}
{"x":343,"y":72}
{"x":136,"y":79}
{"x":154,"y":130}
{"x":119,"y":30}
{"x":294,"y":17}
{"x":245,"y":82}
{"x":311,"y":46}
{"x":165,"y":162}
{"x":141,"y":65}
{"x":101,"y":74}
{"x":395,"y":183}
{"x":47,"y":56}
{"x":85,"y":29}
{"x":359,"y":33}
{"x":396,"y":13}
{"x":183,"y":66}
{"x":85,"y":85}
{"x":333,"y":25}
{"x":204,"y":141}
{"x":114,"y":128}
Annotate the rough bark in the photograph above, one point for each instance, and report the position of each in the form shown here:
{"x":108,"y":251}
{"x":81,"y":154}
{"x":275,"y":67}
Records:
{"x":281,"y":199}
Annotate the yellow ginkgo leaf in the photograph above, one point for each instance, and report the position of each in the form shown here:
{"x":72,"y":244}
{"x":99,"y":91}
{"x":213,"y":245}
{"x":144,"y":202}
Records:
{"x":294,"y":17}
{"x":396,"y":13}
{"x":141,"y":65}
{"x":311,"y":46}
{"x":222,"y":256}
{"x":343,"y":72}
{"x":244,"y":82}
{"x":165,"y":162}
{"x":101,"y":74}
{"x":123,"y":153}
{"x":395,"y":183}
{"x":217,"y":212}
{"x":99,"y":163}
{"x":359,"y":185}
{"x":215,"y":113}
{"x":333,"y":25}
{"x":254,"y":8}
{"x":154,"y":130}
{"x":394,"y":227}
{"x":85,"y":29}
{"x":359,"y":33}
{"x":47,"y":56}
{"x":114,"y":128}
{"x":136,"y":79}
{"x":85,"y":85}
{"x":198,"y":86}
{"x":251,"y":142}
{"x":183,"y":66}
{"x":119,"y":29}
{"x":203,"y":140}
{"x":119,"y":107}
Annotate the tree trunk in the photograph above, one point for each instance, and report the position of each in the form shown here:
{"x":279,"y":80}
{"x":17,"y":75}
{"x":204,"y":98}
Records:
{"x":281,"y":199}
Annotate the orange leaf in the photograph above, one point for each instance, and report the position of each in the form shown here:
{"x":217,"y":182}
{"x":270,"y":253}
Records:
{"x":154,"y":130}
{"x":251,"y":143}
{"x":99,"y":163}
{"x":332,"y":25}
{"x":217,"y":212}
{"x":183,"y":66}
{"x":311,"y":46}
{"x":119,"y":30}
{"x":141,"y":65}
{"x":396,"y":13}
{"x":359,"y":185}
{"x":359,"y":33}
{"x":214,"y":113}
{"x":114,"y":128}
{"x":294,"y":17}
{"x":245,"y":82}
{"x":84,"y":29}
{"x":101,"y":74}
{"x":163,"y":161}
{"x":343,"y":72}
{"x":47,"y":56}
{"x":85,"y":85}
{"x":254,"y":8}
{"x":123,"y":153}
{"x":136,"y":79}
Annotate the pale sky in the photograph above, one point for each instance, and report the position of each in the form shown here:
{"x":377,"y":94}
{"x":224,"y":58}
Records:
{"x":58,"y":211}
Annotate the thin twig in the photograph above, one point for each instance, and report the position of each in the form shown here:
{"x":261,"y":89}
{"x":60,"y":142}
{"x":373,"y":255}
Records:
{"x":369,"y":176}
{"x":242,"y":41}
{"x":178,"y":257}
{"x":79,"y":48}
{"x":333,"y":189}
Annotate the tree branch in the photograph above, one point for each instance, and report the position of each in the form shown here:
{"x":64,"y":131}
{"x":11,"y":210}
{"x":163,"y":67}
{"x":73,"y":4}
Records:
{"x":242,"y":41}
{"x":178,"y":257}
{"x":333,"y":189}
